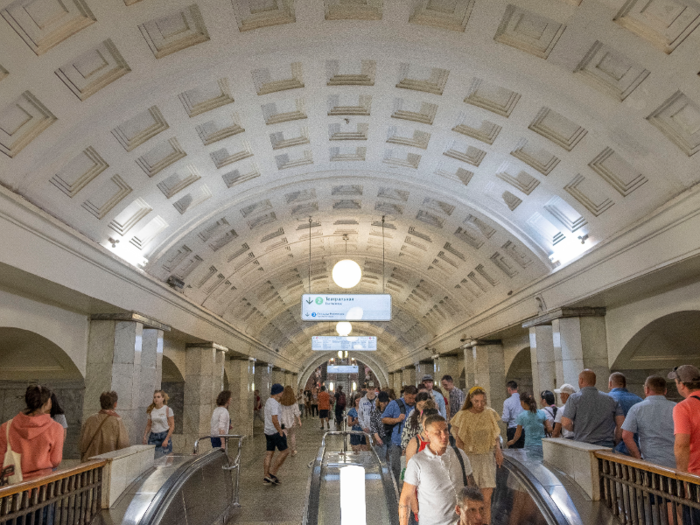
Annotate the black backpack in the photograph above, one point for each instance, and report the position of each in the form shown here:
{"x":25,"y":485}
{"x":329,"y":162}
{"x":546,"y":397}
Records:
{"x":389,"y":429}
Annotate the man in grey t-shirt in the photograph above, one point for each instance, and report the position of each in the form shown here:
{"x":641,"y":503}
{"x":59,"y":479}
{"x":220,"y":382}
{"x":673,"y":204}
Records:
{"x":593,"y":416}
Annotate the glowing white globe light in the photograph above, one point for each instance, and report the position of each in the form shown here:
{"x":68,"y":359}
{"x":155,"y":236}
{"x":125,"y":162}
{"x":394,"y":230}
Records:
{"x":343,"y":328}
{"x":346,"y":273}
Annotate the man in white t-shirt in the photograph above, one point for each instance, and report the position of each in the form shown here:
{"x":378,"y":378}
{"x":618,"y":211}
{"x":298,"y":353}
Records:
{"x":439,"y":472}
{"x":274,"y":433}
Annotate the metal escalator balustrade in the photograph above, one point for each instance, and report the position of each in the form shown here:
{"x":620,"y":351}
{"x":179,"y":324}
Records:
{"x":193,"y":489}
{"x":323,"y":505}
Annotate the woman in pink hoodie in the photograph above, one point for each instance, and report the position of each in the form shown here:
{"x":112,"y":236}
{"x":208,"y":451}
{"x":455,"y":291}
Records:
{"x":33,"y":434}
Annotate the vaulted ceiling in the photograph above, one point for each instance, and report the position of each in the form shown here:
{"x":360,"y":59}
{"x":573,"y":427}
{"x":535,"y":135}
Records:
{"x":234,"y":143}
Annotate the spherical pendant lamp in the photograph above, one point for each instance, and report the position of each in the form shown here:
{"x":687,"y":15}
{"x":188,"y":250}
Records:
{"x":343,"y":328}
{"x":346,"y":273}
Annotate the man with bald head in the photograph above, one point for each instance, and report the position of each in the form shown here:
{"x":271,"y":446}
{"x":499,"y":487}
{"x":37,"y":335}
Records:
{"x":593,"y":416}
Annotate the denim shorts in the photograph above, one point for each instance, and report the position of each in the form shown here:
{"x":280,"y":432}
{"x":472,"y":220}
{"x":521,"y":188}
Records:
{"x":156,"y":438}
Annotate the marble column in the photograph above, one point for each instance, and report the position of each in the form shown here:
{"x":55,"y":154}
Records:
{"x":409,"y":377}
{"x":288,"y":379}
{"x":240,"y":372}
{"x":204,"y":379}
{"x":422,"y":369}
{"x":125,"y":354}
{"x":490,"y":372}
{"x":398,"y":381}
{"x":544,"y":374}
{"x":579,"y":343}
{"x":469,"y":368}
{"x":263,"y":380}
{"x":446,"y":365}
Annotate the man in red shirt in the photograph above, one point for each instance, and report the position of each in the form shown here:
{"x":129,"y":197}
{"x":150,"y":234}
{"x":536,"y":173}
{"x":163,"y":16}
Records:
{"x":324,"y":407}
{"x":686,"y":419}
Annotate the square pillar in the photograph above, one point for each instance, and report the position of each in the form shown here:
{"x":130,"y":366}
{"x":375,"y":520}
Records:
{"x":125,"y":354}
{"x":469,"y":368}
{"x":579,"y":343}
{"x":204,"y":378}
{"x":446,"y":365}
{"x":490,"y":372}
{"x":289,"y":380}
{"x":398,"y":381}
{"x":421,"y":370}
{"x":544,"y":373}
{"x":408,"y":378}
{"x":263,"y":380}
{"x":241,"y":374}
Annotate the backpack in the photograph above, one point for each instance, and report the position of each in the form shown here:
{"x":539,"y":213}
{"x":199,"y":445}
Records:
{"x":389,"y":429}
{"x":341,"y":400}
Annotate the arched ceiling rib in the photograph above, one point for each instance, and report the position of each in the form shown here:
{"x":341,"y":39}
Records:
{"x":492,"y":135}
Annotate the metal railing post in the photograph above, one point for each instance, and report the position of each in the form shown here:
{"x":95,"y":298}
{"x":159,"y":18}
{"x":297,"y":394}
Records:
{"x":236,"y":462}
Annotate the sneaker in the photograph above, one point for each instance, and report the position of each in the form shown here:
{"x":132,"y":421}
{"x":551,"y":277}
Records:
{"x":275,"y":480}
{"x":294,"y":453}
{"x":268,"y":481}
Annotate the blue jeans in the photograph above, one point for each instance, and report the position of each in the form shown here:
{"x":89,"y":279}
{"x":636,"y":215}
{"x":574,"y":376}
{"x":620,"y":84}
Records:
{"x":156,"y":438}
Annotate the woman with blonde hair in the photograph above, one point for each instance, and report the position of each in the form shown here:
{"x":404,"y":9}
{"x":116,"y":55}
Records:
{"x":290,"y":418}
{"x":160,"y":425}
{"x":475,"y":429}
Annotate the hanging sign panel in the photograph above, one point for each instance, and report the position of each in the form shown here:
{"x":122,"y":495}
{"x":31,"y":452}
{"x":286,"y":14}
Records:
{"x":346,"y":307}
{"x":342,"y":369}
{"x":361,"y":344}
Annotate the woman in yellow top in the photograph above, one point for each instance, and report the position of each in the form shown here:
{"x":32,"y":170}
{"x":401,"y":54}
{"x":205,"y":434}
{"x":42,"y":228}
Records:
{"x":475,"y":428}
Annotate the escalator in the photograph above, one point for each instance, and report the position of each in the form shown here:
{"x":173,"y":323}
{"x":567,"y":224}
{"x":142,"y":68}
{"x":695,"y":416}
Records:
{"x":201,"y":490}
{"x":527,"y":492}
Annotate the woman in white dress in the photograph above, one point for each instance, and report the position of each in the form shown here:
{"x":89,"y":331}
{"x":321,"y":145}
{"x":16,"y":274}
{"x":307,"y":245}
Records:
{"x":291,"y":417}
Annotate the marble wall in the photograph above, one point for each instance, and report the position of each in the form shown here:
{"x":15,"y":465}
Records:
{"x":70,"y":396}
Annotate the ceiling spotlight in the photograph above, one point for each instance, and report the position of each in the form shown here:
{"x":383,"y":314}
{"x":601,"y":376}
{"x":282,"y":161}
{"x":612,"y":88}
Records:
{"x":113,"y":242}
{"x":343,"y":328}
{"x":583,"y":238}
{"x":346,"y":273}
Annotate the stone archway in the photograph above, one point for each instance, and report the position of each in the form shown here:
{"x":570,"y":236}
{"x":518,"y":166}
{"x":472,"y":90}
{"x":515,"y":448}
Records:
{"x":173,"y":383}
{"x":666,"y":342}
{"x":27,"y":357}
{"x":377,"y":368}
{"x":520,"y":370}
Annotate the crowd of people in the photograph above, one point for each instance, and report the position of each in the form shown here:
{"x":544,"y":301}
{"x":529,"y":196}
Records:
{"x":442,"y":449}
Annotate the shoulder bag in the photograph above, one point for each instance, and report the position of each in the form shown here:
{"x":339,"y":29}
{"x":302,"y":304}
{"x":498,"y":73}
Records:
{"x":12,"y":464}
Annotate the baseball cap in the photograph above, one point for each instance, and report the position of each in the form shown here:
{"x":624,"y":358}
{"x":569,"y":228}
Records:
{"x":685,"y":374}
{"x":566,"y":388}
{"x":427,"y":377}
{"x":276,"y":389}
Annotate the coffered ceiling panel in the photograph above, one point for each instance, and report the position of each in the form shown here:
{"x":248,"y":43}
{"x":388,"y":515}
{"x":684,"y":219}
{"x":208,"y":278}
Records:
{"x":458,"y":150}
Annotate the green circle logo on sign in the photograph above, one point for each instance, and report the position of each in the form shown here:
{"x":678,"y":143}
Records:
{"x":319,"y":300}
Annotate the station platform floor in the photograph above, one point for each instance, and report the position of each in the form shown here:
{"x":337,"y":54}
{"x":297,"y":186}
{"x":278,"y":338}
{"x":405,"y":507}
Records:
{"x":282,"y":504}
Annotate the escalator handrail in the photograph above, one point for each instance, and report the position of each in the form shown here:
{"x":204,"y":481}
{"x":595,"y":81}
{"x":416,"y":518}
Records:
{"x":547,"y":506}
{"x":314,"y":486}
{"x":171,"y":487}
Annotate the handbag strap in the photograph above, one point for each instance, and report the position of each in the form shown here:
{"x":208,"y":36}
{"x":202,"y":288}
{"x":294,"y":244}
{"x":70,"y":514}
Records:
{"x":461,"y":464}
{"x":96,"y":432}
{"x":7,"y":434}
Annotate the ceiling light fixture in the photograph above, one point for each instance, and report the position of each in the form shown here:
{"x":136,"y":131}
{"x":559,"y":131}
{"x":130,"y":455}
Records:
{"x":343,"y":328}
{"x":346,"y":273}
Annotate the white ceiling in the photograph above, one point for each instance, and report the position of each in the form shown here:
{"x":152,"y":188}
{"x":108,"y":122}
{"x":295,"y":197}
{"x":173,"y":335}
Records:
{"x":490,"y":135}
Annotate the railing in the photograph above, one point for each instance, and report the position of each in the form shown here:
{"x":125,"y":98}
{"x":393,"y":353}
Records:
{"x":236,"y":462}
{"x":66,"y":497}
{"x":642,"y":493}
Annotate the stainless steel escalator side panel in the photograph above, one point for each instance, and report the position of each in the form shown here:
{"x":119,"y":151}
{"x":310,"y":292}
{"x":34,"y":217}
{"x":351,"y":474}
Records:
{"x":326,"y":467}
{"x":199,"y":492}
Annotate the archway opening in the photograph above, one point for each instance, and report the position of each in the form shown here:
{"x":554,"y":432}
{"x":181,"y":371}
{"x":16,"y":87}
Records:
{"x":28,"y":358}
{"x":663,"y":344}
{"x":173,"y":383}
{"x":520,"y":370}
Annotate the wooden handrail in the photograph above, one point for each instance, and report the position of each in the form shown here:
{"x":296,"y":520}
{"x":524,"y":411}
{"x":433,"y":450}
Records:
{"x":648,"y":467}
{"x":54,"y":476}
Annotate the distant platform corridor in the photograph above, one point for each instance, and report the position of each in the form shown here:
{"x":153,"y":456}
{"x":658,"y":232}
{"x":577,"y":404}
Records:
{"x":282,"y":504}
